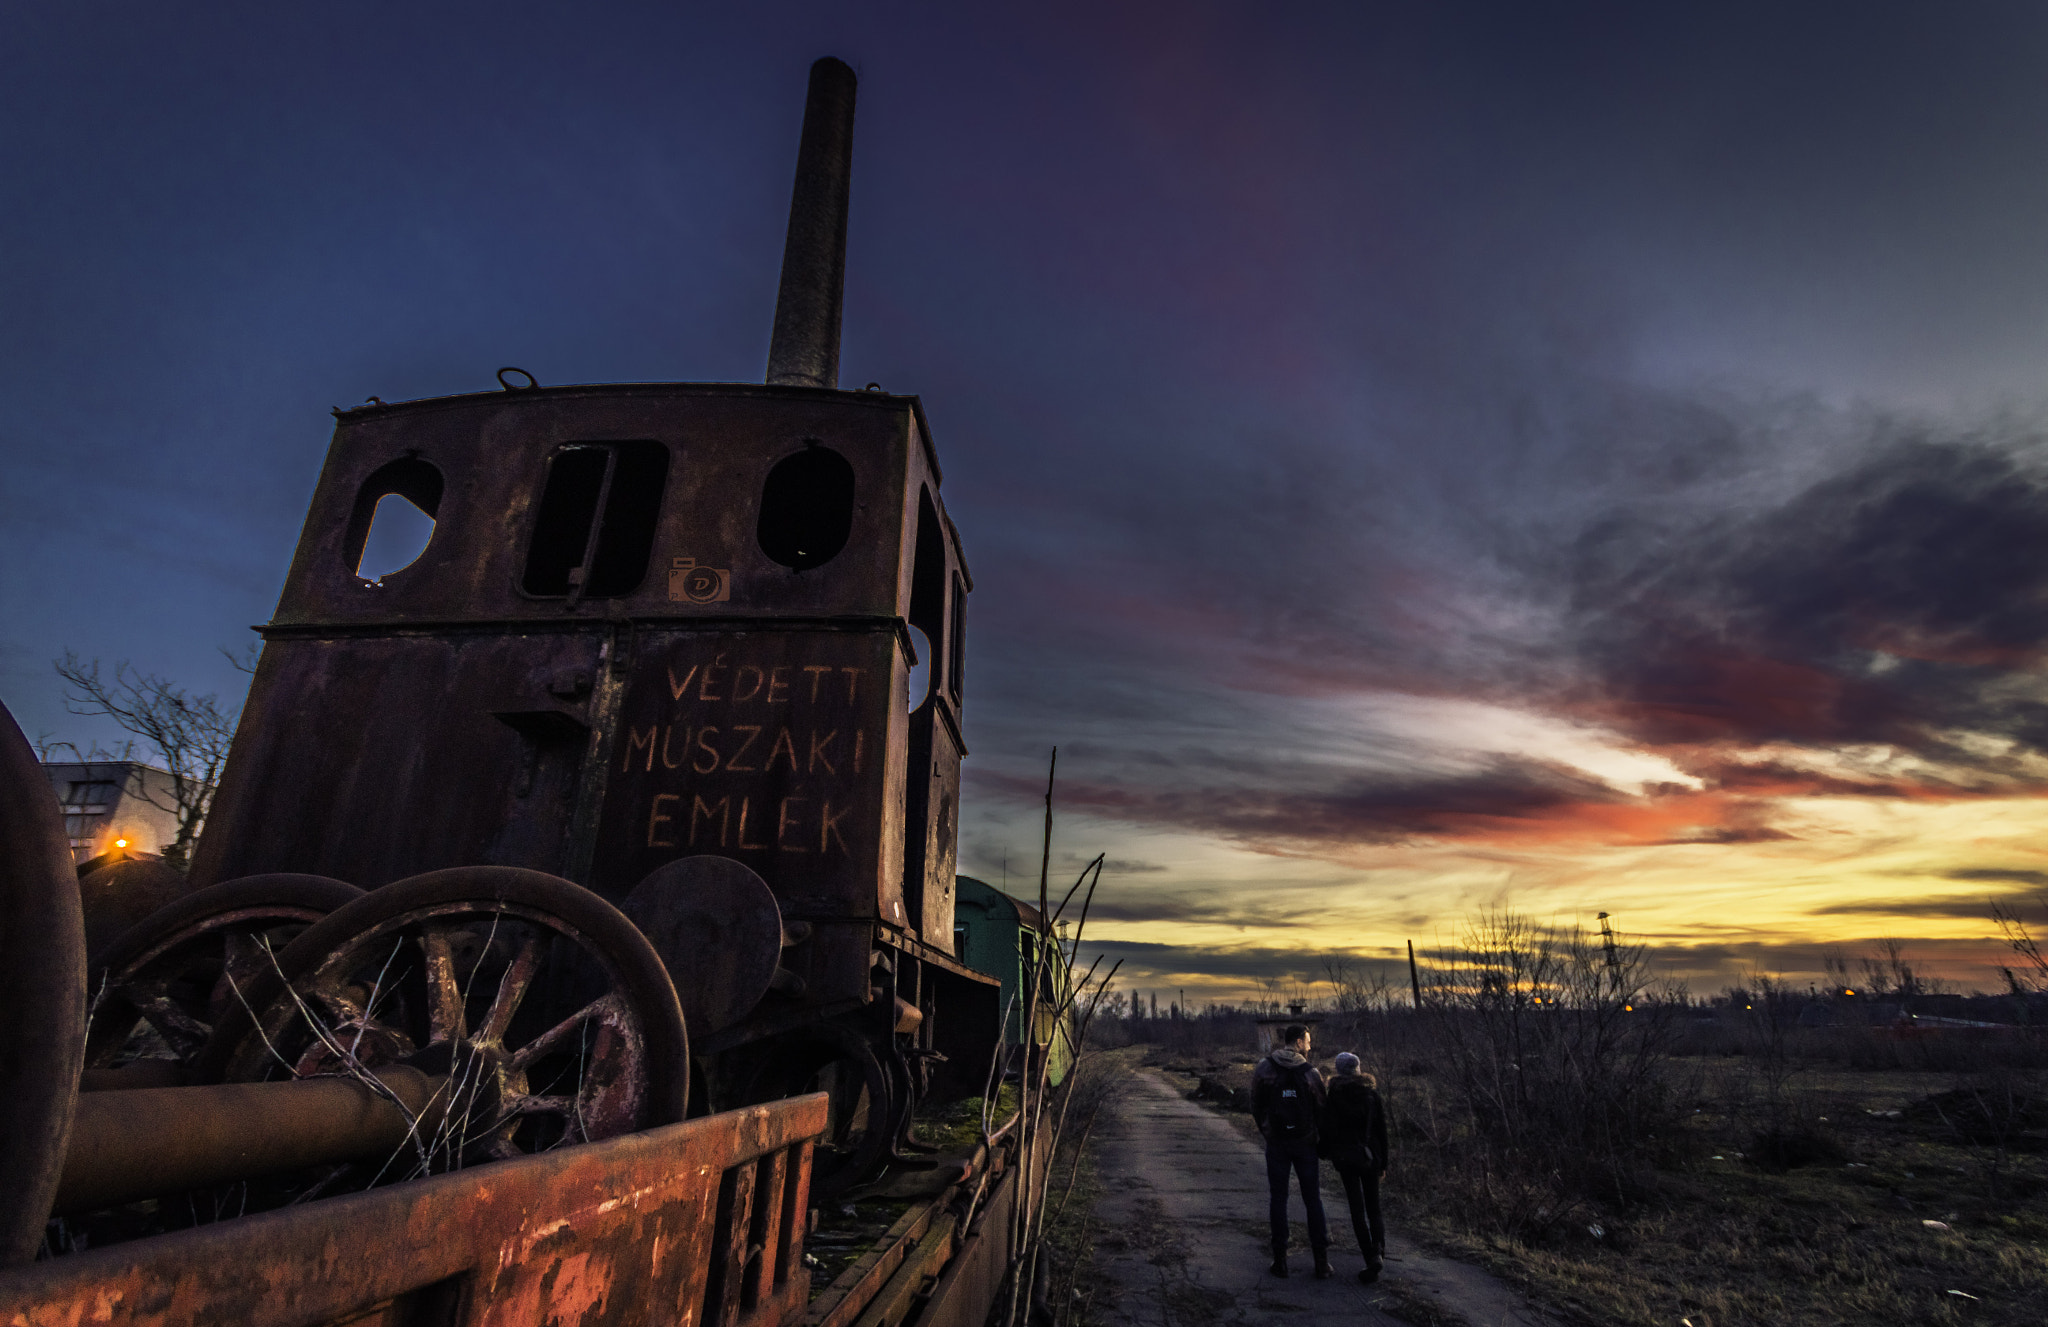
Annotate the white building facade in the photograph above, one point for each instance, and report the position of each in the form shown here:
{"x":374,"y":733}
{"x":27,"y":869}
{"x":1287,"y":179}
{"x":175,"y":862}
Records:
{"x":112,"y":805}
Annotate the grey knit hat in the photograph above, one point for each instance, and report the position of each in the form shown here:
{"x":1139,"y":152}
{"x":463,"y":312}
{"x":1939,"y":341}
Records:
{"x":1347,"y":1063}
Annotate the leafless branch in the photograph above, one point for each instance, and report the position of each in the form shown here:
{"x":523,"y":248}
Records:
{"x":187,"y":735}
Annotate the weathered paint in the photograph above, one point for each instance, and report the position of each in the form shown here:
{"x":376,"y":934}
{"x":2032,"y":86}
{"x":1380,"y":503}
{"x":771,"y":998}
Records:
{"x":618,"y":1232}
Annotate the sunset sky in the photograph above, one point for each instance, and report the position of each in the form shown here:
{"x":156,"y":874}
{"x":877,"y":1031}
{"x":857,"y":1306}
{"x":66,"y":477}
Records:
{"x":1413,"y":459}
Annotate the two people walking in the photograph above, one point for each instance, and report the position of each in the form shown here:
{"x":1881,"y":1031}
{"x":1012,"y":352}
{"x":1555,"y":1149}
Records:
{"x":1305,"y":1119}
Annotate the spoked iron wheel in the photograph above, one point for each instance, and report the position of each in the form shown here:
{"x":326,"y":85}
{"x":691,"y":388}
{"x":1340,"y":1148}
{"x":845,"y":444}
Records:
{"x":548,"y":1014}
{"x":868,"y":1102}
{"x":163,"y":984}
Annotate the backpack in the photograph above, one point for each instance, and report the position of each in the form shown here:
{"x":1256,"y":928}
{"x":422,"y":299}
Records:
{"x":1294,"y":1106}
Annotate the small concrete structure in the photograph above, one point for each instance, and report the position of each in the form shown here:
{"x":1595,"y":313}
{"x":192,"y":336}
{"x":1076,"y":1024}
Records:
{"x":1272,"y":1025}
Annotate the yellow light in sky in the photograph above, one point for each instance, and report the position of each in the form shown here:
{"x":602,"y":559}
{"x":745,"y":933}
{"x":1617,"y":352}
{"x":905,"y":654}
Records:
{"x":120,"y":843}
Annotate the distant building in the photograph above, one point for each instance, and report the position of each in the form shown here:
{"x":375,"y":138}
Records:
{"x":113,"y":805}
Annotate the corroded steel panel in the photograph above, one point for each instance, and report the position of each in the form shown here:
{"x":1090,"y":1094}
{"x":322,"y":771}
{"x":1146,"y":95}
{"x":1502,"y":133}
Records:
{"x":370,"y":759}
{"x":493,"y":451}
{"x":780,"y":749}
{"x":619,"y":1232}
{"x":453,"y":714}
{"x":966,"y":1291}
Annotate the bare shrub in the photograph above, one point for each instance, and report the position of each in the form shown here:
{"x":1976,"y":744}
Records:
{"x":1555,"y":1085}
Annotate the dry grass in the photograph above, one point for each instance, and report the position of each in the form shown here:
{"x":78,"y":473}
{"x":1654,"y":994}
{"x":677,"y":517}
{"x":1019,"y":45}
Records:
{"x":1707,"y":1232}
{"x":1714,"y":1235}
{"x":1072,"y":1235}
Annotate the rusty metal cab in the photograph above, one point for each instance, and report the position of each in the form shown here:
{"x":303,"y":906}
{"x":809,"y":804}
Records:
{"x":491,"y":704}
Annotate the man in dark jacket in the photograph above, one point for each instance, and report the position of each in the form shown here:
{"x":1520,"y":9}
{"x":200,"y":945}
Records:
{"x":1287,"y":1103}
{"x":1355,"y":1141}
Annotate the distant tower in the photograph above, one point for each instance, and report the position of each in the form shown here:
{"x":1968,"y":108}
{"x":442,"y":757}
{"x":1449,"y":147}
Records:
{"x":1607,"y":942}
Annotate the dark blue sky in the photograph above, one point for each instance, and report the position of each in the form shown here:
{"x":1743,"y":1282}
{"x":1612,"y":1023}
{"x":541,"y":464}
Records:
{"x":1281,"y":358}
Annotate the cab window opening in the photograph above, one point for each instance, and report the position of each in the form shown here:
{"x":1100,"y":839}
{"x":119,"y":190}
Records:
{"x":393,"y":520}
{"x":593,"y":532}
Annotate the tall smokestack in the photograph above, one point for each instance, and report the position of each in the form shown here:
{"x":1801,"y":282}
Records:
{"x":804,"y":350}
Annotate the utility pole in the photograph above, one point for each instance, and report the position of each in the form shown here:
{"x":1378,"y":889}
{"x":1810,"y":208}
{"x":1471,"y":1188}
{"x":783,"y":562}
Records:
{"x":1414,"y":979}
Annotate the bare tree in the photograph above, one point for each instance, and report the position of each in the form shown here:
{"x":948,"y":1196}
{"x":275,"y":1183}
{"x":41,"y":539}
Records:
{"x":187,"y":735}
{"x":1356,"y":989}
{"x":2033,"y":970}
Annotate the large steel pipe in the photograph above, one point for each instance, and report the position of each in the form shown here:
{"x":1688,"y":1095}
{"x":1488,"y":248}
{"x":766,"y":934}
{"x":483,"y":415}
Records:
{"x":804,"y":350}
{"x":138,"y":1144}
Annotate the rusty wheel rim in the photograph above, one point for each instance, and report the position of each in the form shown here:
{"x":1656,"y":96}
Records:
{"x":866,"y":1100}
{"x":550,"y":1018}
{"x":162,"y":985}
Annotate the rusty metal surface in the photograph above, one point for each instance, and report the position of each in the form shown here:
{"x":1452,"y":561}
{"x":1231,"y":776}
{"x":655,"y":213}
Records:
{"x":966,"y":1291}
{"x":778,"y":702}
{"x":137,"y":1144}
{"x":767,"y":724}
{"x":852,"y":1290}
{"x":592,"y":1060}
{"x":717,"y":928}
{"x":621,"y":1232}
{"x":783,"y":750}
{"x":925,"y":1270}
{"x":899,"y":1298}
{"x":42,"y":991}
{"x":171,"y":975}
{"x":118,"y":895}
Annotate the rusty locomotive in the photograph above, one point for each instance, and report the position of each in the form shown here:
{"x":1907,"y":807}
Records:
{"x":614,"y":808}
{"x":659,"y":644}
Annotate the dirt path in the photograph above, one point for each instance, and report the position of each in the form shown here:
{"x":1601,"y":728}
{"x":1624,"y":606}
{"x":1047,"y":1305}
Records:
{"x":1181,"y":1236}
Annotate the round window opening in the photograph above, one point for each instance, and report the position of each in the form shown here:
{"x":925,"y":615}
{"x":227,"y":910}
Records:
{"x":807,"y":508}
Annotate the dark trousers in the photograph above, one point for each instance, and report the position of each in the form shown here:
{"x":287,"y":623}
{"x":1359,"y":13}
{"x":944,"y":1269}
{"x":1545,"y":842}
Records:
{"x":1301,"y":1159}
{"x":1362,"y":1191}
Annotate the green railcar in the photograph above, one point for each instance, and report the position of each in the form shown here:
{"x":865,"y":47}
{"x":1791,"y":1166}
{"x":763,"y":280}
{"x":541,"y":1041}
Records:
{"x":997,"y":934}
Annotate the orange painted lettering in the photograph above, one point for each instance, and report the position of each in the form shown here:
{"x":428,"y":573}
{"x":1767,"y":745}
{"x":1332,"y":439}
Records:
{"x":753,"y":732}
{"x":656,"y":818}
{"x":819,"y":746}
{"x":708,"y":750}
{"x":634,"y":742}
{"x":717,"y":665}
{"x":828,"y":828}
{"x":742,"y":841}
{"x":782,"y":823}
{"x":723,"y":808}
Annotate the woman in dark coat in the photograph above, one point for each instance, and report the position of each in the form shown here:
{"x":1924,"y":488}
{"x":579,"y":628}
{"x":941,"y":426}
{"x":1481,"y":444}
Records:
{"x":1354,"y":1134}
